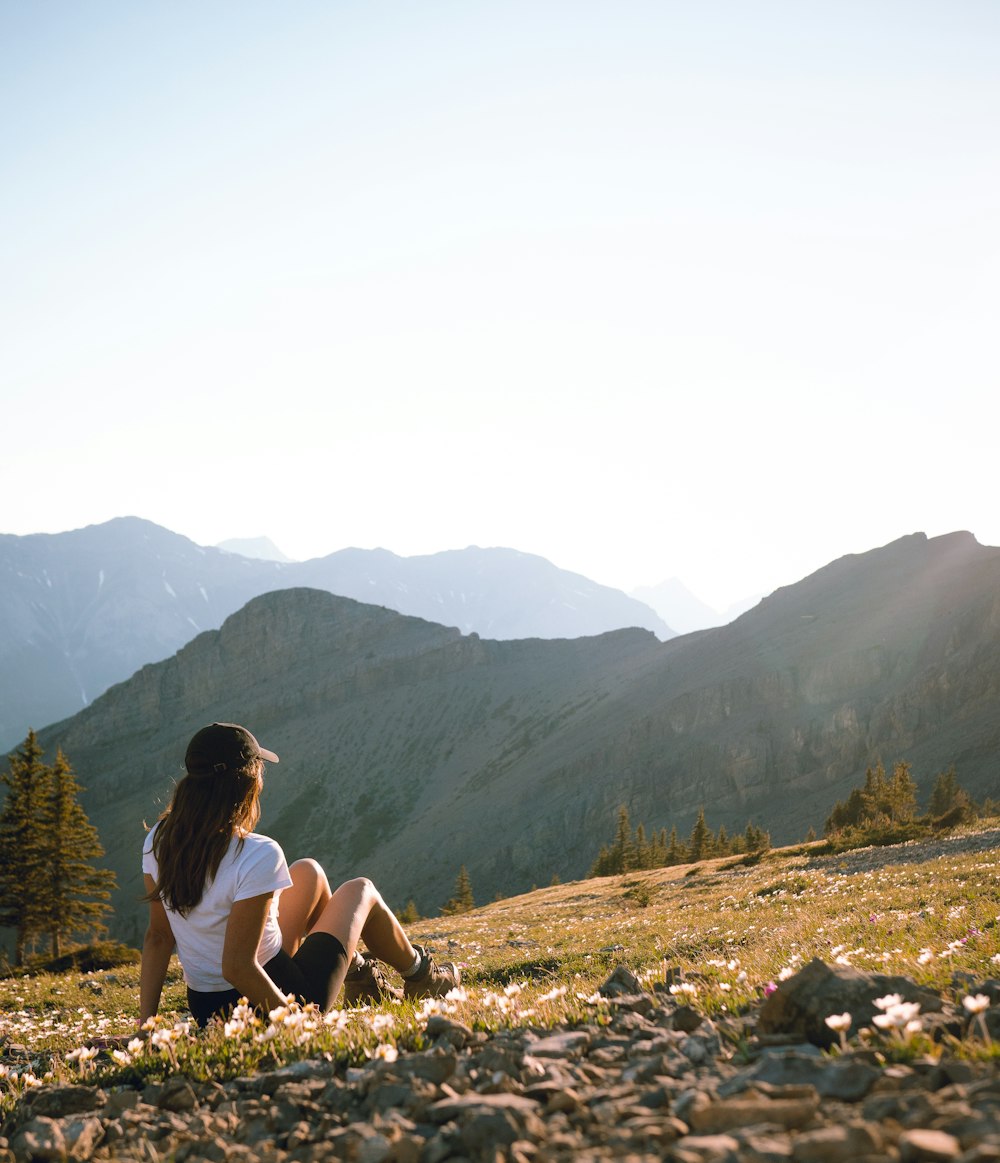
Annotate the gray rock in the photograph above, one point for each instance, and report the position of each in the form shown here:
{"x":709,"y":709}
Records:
{"x":841,"y":1143}
{"x":622,"y":981}
{"x":706,"y":1149}
{"x":41,"y":1141}
{"x":436,"y":1066}
{"x":845,"y":1079}
{"x":686,"y":1019}
{"x":800,"y":1006}
{"x":927,"y":1146}
{"x":65,"y":1100}
{"x":453,"y":1108}
{"x":81,"y":1135}
{"x":177,"y":1094}
{"x":446,"y":1030}
{"x":754,"y":1108}
{"x":569,"y":1044}
{"x":765,"y":1147}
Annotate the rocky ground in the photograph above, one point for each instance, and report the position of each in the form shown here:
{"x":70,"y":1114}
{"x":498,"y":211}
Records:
{"x":658,"y":1081}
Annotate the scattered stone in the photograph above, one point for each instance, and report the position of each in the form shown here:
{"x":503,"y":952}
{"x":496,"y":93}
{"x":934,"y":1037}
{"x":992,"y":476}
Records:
{"x":649,"y":1080}
{"x":927,"y":1146}
{"x":686,"y":1019}
{"x":842,"y":1143}
{"x":755,"y":1108}
{"x":621,"y":981}
{"x":846,"y":1079}
{"x":65,"y":1100}
{"x":40,"y":1140}
{"x":445,"y":1030}
{"x":569,"y":1044}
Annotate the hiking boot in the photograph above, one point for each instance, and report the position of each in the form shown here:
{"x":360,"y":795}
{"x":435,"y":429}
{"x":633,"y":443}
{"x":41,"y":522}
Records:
{"x":431,"y":980}
{"x":368,"y":983}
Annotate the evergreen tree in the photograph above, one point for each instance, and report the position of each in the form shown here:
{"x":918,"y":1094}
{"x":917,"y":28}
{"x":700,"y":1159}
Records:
{"x":876,"y":796}
{"x":623,"y":847}
{"x":848,"y":814}
{"x":949,"y":802}
{"x":24,"y":883}
{"x":604,"y":864}
{"x":902,"y":794}
{"x":811,"y":834}
{"x":676,"y":852}
{"x":410,"y":912}
{"x":699,"y":843}
{"x":660,"y":851}
{"x":77,"y":892}
{"x":461,"y":900}
{"x":722,"y":841}
{"x":48,"y":885}
{"x":642,"y":853}
{"x":756,"y":839}
{"x":943,"y":793}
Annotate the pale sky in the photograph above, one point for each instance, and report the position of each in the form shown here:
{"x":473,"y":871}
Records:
{"x":650,"y":289}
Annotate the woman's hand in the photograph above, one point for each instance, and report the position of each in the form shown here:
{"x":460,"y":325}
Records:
{"x":240,"y":966}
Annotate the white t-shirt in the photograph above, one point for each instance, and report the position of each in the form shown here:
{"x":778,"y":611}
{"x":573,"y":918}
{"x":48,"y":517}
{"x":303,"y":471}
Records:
{"x":255,"y":868}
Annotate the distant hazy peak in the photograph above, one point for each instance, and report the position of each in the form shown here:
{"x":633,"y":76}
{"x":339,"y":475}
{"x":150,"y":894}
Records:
{"x":678,"y":606}
{"x":259,"y":548}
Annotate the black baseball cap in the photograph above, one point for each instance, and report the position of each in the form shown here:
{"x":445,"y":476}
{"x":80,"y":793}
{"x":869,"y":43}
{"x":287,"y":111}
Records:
{"x":222,"y":746}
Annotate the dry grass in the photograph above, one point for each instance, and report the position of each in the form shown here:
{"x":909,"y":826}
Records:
{"x":930,"y":911}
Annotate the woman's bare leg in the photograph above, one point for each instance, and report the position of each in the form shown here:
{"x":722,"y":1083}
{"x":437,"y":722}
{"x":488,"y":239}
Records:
{"x":355,"y":912}
{"x":300,"y":907}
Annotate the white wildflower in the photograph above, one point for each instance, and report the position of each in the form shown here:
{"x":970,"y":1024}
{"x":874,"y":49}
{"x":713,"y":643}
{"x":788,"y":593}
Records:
{"x":82,"y":1055}
{"x":888,"y":1002}
{"x":558,"y":992}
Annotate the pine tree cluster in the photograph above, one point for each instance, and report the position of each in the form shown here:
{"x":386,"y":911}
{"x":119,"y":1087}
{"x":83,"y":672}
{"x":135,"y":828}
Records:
{"x":884,"y":810}
{"x":632,"y":850}
{"x":49,"y":887}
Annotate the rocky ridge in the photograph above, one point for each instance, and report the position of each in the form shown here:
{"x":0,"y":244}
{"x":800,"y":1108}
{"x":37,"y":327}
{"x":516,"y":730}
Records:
{"x":652,"y":1079}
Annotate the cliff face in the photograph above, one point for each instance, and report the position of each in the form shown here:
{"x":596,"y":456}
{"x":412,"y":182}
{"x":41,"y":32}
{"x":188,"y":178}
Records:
{"x":408,"y":749}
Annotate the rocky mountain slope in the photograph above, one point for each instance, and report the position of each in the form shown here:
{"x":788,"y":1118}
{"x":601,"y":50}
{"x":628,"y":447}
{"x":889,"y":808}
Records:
{"x":82,"y":610}
{"x":409,"y":749}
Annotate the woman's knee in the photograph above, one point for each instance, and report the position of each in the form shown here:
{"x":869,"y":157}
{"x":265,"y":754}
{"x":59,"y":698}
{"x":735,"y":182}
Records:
{"x":362,"y":889}
{"x":308,"y":872}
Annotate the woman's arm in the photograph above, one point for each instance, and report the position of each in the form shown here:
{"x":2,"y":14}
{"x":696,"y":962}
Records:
{"x":156,"y":950}
{"x":240,"y":966}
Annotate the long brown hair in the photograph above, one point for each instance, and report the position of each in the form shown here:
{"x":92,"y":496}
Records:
{"x":194,"y":832}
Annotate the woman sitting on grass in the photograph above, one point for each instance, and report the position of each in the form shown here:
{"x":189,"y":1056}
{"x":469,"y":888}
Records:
{"x":243,"y":922}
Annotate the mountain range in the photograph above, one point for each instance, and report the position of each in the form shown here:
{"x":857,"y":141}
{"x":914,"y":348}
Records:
{"x":408,"y":749}
{"x":85,"y":609}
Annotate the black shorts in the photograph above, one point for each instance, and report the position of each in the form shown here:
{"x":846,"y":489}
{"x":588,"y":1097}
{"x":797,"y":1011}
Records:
{"x":314,"y":974}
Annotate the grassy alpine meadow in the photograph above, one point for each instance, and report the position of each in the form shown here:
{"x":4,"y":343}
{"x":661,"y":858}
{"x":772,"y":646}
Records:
{"x":723,"y":933}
